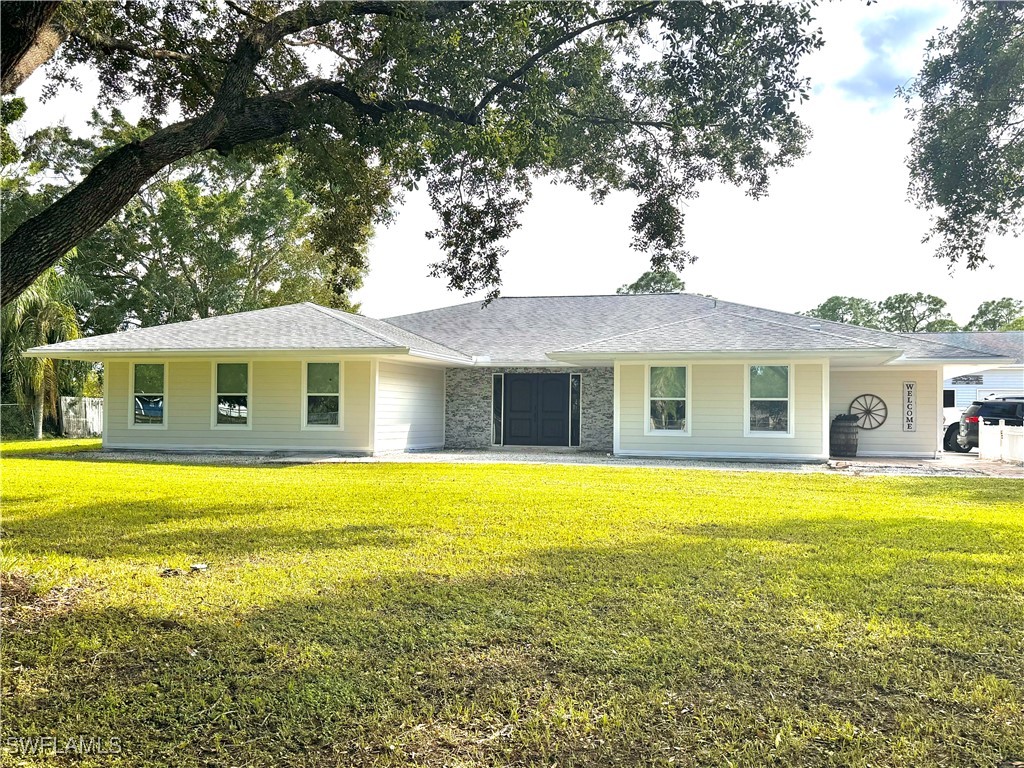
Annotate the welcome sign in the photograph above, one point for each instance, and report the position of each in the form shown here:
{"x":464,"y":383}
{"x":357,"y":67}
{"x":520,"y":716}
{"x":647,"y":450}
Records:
{"x":909,"y":406}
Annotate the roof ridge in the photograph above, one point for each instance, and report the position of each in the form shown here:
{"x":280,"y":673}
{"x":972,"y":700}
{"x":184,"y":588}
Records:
{"x":835,"y":322}
{"x":557,"y":296}
{"x":347,"y":317}
{"x":333,"y":313}
{"x":811,"y":330}
{"x":936,"y":341}
{"x":950,"y":343}
{"x":697,"y":313}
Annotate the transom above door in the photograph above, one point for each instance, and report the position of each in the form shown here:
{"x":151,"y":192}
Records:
{"x":539,"y":409}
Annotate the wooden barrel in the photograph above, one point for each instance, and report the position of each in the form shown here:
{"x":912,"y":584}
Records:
{"x":842,"y":436}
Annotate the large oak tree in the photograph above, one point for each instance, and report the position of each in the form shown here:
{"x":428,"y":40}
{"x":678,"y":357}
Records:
{"x":473,"y":100}
{"x":967,"y":154}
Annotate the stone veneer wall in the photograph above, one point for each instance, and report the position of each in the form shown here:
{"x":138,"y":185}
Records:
{"x":468,"y":406}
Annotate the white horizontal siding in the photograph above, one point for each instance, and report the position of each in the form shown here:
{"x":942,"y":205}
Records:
{"x":410,"y":407}
{"x":275,"y":410}
{"x":887,"y":383}
{"x":997,"y":381}
{"x":716,"y":415}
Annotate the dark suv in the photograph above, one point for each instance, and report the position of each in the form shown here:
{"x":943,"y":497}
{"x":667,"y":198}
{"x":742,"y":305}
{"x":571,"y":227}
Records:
{"x":1009,"y":409}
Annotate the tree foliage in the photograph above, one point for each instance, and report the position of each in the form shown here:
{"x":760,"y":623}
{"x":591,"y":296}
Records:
{"x":915,"y":312}
{"x":655,"y":281}
{"x":967,"y":153}
{"x":994,"y":315}
{"x":205,"y":237}
{"x":848,"y":309}
{"x":44,"y":314}
{"x":474,"y":100}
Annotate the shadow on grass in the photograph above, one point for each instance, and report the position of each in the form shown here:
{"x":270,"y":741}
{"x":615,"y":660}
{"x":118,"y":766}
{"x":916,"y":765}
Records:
{"x":702,"y":648}
{"x":166,"y":527}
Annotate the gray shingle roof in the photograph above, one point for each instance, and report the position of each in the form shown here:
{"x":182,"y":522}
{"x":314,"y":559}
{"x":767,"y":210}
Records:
{"x":525,"y":329}
{"x":293,"y":327}
{"x":713,"y":331}
{"x":1005,"y":343}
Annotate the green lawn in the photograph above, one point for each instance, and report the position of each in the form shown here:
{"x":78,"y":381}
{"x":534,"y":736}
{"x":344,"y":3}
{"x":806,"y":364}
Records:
{"x":391,"y":614}
{"x":12,"y":448}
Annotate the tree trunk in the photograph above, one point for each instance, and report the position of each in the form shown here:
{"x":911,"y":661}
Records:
{"x":27,"y":40}
{"x":37,"y":415}
{"x":39,"y":242}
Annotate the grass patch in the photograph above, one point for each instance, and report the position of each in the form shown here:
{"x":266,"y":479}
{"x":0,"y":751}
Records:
{"x":13,"y":448}
{"x":407,"y":614}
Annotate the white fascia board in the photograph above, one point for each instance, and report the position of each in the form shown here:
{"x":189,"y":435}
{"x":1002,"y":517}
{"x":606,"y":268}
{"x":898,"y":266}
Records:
{"x":722,"y":356}
{"x":204,"y":354}
{"x":437,"y":357}
{"x":917,"y":362}
{"x":486,"y":362}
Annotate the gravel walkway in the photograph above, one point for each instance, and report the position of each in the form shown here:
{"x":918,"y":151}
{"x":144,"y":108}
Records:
{"x":949,"y":465}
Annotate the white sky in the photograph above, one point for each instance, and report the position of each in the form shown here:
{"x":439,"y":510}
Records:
{"x":838,"y":222}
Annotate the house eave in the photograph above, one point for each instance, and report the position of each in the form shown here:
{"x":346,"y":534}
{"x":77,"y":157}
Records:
{"x":277,"y":353}
{"x":917,"y":362}
{"x":884,"y":355}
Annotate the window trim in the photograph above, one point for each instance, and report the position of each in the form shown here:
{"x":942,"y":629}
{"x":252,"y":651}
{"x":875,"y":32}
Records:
{"x":304,"y":400}
{"x":131,"y":394}
{"x":214,"y":393}
{"x":579,"y":420}
{"x":688,"y":399}
{"x":790,"y":400}
{"x":494,"y":441}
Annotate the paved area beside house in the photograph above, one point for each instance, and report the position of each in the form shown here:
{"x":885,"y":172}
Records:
{"x":949,"y":465}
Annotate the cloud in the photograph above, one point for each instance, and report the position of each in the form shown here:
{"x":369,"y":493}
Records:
{"x":885,"y":40}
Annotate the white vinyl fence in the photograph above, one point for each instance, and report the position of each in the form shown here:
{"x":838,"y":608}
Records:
{"x":1000,"y":442}
{"x":82,"y":416}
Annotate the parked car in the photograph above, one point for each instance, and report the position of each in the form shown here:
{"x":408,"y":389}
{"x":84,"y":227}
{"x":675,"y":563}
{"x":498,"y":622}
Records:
{"x":1008,"y":409}
{"x":950,"y":428}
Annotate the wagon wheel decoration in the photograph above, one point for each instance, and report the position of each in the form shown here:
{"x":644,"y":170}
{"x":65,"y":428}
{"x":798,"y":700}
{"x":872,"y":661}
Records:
{"x":870,"y":411}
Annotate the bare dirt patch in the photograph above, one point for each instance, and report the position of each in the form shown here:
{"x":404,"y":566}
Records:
{"x":23,"y":604}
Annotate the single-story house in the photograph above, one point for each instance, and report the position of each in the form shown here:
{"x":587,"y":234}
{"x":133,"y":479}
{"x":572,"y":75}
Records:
{"x":676,"y":375}
{"x":961,"y":388}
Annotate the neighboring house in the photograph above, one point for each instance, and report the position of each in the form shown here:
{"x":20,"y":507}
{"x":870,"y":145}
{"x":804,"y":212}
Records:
{"x":962,"y":389}
{"x":648,"y":375}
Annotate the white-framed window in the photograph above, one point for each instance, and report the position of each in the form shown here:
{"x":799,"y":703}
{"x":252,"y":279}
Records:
{"x":148,"y":389}
{"x":669,"y":403}
{"x":768,"y":401}
{"x":321,"y":395}
{"x":232,"y":395}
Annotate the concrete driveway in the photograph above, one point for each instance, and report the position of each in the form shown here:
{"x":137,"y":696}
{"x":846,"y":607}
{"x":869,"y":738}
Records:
{"x":949,"y":465}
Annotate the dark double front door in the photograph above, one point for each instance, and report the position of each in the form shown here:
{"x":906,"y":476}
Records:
{"x":536,"y":409}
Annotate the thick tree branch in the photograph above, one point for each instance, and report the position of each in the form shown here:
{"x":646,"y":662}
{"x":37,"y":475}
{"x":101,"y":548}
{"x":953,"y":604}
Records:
{"x":232,"y":120}
{"x":107,"y":44}
{"x":28,"y":40}
{"x":275,"y":114}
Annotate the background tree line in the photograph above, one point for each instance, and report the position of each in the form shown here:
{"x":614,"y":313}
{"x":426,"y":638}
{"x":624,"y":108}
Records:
{"x":919,"y":312}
